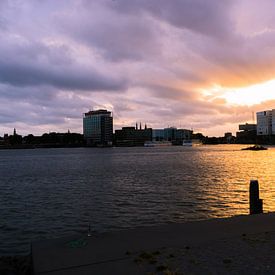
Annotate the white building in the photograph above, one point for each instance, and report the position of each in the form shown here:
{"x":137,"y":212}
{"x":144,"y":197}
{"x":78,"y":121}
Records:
{"x":264,"y":123}
{"x":273,"y":122}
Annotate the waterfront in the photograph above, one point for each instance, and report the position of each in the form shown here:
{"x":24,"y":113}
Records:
{"x":48,"y":193}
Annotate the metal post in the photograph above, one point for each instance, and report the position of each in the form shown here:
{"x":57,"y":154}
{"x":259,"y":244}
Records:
{"x":256,"y":204}
{"x":89,"y":230}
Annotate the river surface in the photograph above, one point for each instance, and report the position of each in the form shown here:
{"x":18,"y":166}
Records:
{"x":49,"y":193}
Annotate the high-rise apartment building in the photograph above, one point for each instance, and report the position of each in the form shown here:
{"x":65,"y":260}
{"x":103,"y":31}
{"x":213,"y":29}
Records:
{"x":264,"y":123}
{"x":98,"y":128}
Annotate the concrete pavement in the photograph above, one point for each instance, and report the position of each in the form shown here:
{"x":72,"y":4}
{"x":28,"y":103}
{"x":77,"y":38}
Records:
{"x":116,"y":252}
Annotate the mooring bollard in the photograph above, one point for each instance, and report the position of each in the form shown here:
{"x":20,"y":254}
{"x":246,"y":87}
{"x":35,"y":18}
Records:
{"x":89,"y":231}
{"x":256,"y":204}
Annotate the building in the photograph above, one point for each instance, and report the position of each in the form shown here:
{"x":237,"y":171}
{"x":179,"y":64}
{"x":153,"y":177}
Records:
{"x":171,"y":134}
{"x":177,"y":135}
{"x":158,"y":134}
{"x":183,"y":134}
{"x":228,"y":137}
{"x":98,"y":128}
{"x":264,"y":123}
{"x":131,"y":136}
{"x":248,"y":127}
{"x":247,"y":133}
{"x":273,"y":122}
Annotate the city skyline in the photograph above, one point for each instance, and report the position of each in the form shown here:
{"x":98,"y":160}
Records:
{"x":202,"y":65}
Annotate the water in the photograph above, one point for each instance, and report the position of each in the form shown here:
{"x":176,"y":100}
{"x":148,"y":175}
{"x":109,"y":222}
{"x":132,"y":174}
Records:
{"x":48,"y":193}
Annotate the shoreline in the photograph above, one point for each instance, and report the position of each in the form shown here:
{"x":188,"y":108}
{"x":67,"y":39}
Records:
{"x":51,"y":146}
{"x":45,"y":146}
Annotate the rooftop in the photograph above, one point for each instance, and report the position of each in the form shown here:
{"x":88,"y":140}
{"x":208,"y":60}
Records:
{"x":98,"y":112}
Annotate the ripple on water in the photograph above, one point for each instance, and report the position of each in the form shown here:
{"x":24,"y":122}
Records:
{"x":48,"y":193}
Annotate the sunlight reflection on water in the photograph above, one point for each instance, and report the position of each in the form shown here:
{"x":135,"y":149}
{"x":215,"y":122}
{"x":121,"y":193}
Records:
{"x":48,"y":193}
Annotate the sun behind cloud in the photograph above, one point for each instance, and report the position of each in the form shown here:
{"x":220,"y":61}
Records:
{"x":245,"y":96}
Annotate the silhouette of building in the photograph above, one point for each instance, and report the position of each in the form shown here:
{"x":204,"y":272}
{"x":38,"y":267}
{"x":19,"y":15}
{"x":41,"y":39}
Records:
{"x":6,"y":138}
{"x":98,"y":128}
{"x":264,"y":123}
{"x":228,"y":137}
{"x":172,"y":134}
{"x":247,"y":133}
{"x":158,"y":134}
{"x":248,"y":127}
{"x":132,"y":136}
{"x":273,"y":122}
{"x":176,"y":136}
{"x":183,"y":134}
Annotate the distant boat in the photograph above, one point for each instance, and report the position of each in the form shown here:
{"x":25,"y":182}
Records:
{"x":191,"y":142}
{"x":157,"y":143}
{"x":255,"y":148}
{"x":187,"y":143}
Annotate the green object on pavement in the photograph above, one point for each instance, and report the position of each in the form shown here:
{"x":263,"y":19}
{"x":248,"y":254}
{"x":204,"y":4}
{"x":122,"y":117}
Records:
{"x":77,"y":243}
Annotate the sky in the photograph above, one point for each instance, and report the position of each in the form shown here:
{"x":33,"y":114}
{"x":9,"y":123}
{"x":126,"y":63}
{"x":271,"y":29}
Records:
{"x":205,"y":65}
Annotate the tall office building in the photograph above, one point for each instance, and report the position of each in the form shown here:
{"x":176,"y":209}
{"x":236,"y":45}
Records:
{"x":264,"y":123}
{"x":98,"y":128}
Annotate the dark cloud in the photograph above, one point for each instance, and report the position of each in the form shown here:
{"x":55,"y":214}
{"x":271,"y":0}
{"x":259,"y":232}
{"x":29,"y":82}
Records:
{"x":167,"y":92}
{"x":36,"y":65}
{"x":45,"y":108}
{"x":206,"y":17}
{"x":147,"y":60}
{"x":40,"y":95}
{"x":114,"y":36}
{"x":74,"y":78}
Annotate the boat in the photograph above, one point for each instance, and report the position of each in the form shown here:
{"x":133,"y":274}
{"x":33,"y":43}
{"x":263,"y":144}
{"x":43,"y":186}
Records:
{"x":255,"y":148}
{"x":191,"y":142}
{"x":187,"y":143}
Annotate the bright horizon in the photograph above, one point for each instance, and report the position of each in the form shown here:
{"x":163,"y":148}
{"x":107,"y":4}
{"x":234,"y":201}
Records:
{"x":201,"y":65}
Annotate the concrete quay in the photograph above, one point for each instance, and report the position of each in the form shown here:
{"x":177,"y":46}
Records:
{"x":218,"y":245}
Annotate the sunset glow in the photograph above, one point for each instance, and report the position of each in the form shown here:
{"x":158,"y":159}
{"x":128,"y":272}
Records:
{"x":251,"y":95}
{"x":195,"y":64}
{"x":244,"y":96}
